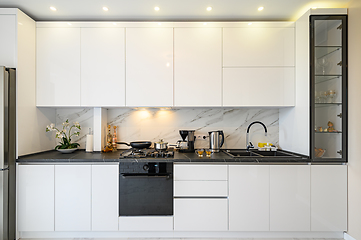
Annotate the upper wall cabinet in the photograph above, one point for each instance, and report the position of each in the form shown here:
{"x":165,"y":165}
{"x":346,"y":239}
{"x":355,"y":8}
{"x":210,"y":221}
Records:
{"x":149,"y":68}
{"x":8,"y":40}
{"x":58,"y":67}
{"x":102,"y":67}
{"x":197,"y":67}
{"x":258,"y":46}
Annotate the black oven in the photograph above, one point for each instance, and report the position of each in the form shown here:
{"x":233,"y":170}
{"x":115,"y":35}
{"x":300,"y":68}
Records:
{"x":145,"y":188}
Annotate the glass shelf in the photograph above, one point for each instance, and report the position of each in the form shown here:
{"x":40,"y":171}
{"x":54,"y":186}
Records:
{"x":330,"y":132}
{"x":326,"y":78}
{"x":319,"y":105}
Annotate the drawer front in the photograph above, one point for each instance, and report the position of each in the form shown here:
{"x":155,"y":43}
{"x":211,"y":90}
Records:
{"x":201,"y":172}
{"x":149,"y":224}
{"x":200,"y":188}
{"x":200,"y":214}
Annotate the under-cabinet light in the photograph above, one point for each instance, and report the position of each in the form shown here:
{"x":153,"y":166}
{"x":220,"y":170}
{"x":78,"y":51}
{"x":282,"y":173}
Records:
{"x":156,"y":8}
{"x":53,"y":8}
{"x":260,"y":8}
{"x":105,"y":8}
{"x":209,"y":8}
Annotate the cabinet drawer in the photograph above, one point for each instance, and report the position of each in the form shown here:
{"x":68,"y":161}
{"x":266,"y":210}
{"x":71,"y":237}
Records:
{"x":200,"y":189}
{"x":200,"y":215}
{"x":200,"y":172}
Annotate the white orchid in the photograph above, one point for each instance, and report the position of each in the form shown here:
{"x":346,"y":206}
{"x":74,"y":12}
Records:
{"x":65,"y":142}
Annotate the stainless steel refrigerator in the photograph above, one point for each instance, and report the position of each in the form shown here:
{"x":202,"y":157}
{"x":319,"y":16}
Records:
{"x":7,"y":152}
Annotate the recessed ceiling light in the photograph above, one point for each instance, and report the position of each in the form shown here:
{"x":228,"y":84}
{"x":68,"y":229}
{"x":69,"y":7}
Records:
{"x":156,"y":8}
{"x":260,"y":8}
{"x":105,"y":8}
{"x":205,"y":23}
{"x":159,"y":24}
{"x":69,"y":23}
{"x":250,"y":23}
{"x":114,"y":23}
{"x":20,"y":23}
{"x":209,"y":8}
{"x":53,"y":8}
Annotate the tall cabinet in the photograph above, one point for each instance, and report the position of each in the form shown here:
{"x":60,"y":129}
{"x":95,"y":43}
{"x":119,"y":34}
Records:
{"x":328,"y":74}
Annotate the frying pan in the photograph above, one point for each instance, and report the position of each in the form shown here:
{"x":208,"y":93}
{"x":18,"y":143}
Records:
{"x":145,"y":144}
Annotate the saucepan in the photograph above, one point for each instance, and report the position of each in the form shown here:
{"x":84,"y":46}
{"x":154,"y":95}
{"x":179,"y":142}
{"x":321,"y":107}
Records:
{"x":139,"y":145}
{"x":161,"y":145}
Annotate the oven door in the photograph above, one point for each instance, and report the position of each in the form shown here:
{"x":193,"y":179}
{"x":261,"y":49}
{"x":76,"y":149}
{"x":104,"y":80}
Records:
{"x":145,"y":189}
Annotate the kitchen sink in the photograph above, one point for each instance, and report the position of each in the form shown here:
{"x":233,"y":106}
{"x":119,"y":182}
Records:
{"x":238,"y":153}
{"x":241,"y":153}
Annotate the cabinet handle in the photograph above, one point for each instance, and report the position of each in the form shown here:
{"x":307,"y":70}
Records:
{"x":339,"y":115}
{"x":339,"y":63}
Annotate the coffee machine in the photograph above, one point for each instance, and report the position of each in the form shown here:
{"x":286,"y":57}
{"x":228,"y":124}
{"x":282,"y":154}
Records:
{"x":187,"y":142}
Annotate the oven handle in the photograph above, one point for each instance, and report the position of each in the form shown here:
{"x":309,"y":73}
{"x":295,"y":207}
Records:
{"x":146,"y":175}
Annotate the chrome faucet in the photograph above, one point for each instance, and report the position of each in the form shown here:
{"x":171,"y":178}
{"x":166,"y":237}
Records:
{"x":249,"y":144}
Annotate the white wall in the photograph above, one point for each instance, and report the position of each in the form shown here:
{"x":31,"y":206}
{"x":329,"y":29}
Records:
{"x":354,"y":130}
{"x":31,"y":120}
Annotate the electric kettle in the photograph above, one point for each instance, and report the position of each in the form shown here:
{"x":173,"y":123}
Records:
{"x":216,"y":140}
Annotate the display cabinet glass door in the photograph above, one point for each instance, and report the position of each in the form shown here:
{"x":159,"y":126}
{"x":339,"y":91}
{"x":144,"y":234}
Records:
{"x":328,"y":88}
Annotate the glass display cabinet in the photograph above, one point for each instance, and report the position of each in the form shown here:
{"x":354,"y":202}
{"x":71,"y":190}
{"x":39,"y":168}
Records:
{"x":328,"y":58}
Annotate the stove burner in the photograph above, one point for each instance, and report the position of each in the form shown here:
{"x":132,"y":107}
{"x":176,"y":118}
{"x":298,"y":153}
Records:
{"x":147,"y":153}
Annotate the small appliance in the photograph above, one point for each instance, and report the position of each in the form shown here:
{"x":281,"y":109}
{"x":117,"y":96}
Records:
{"x":216,"y":140}
{"x":188,"y":138}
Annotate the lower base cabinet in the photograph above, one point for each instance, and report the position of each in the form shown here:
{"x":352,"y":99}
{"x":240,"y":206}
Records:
{"x":203,"y":214}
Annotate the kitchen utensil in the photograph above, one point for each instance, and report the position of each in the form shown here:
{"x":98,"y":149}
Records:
{"x":189,"y":135}
{"x":161,"y":145}
{"x":216,"y":140}
{"x":139,"y":144}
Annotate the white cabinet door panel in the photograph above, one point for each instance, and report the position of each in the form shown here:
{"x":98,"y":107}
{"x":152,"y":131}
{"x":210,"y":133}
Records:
{"x":103,"y":67}
{"x":58,"y":67}
{"x":198,"y":67}
{"x":72,"y":198}
{"x":290,"y":198}
{"x":258,"y":47}
{"x":249,"y":198}
{"x":105,"y":188}
{"x":185,"y":172}
{"x":329,"y":198}
{"x":35,"y":208}
{"x":258,"y":86}
{"x":148,"y":224}
{"x":149,"y":67}
{"x":8,"y":46}
{"x":200,"y":214}
{"x":200,"y":188}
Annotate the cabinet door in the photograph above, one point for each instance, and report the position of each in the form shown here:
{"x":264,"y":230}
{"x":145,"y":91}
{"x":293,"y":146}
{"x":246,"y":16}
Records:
{"x":290,"y":198}
{"x":58,"y":67}
{"x":197,"y":67}
{"x":200,"y":214}
{"x":149,"y":67}
{"x":72,"y":198}
{"x":103,"y":67}
{"x":105,"y":197}
{"x":8,"y":46}
{"x":249,"y":198}
{"x":258,"y":86}
{"x":328,"y":198}
{"x":267,"y":47}
{"x":35,"y":198}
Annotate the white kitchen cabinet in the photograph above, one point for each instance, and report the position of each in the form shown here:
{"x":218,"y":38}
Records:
{"x":8,"y":46}
{"x":290,"y":198}
{"x":200,"y":172}
{"x":262,"y":47}
{"x":73,"y":197}
{"x":149,"y":67}
{"x":35,"y":206}
{"x":249,"y":198}
{"x":57,"y":67}
{"x":197,"y":67}
{"x":205,"y":214}
{"x":328,"y":198}
{"x":102,"y":67}
{"x":104,"y":198}
{"x":251,"y":87}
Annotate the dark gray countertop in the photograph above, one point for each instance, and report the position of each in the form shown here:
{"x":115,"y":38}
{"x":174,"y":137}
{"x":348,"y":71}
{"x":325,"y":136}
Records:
{"x":80,"y":156}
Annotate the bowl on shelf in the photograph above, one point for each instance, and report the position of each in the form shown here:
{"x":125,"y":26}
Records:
{"x":319,"y":152}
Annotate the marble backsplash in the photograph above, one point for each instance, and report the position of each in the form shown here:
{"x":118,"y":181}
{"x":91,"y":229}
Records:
{"x":152,"y":124}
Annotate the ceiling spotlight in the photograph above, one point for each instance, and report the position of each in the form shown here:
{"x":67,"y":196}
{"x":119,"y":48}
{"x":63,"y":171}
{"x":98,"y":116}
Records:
{"x":114,"y":23}
{"x":260,"y":8}
{"x":250,"y":23}
{"x":52,"y":8}
{"x":105,"y":8}
{"x":205,"y":23}
{"x":69,"y":23}
{"x":209,"y":8}
{"x":156,"y":8}
{"x":159,"y":24}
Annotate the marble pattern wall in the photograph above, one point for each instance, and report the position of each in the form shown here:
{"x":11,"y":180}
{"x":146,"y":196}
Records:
{"x":152,"y":124}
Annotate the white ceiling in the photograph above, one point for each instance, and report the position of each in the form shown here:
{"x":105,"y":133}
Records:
{"x":170,"y":10}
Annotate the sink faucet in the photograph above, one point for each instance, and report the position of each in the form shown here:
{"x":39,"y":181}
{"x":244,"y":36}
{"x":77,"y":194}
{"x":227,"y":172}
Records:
{"x":249,"y":144}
